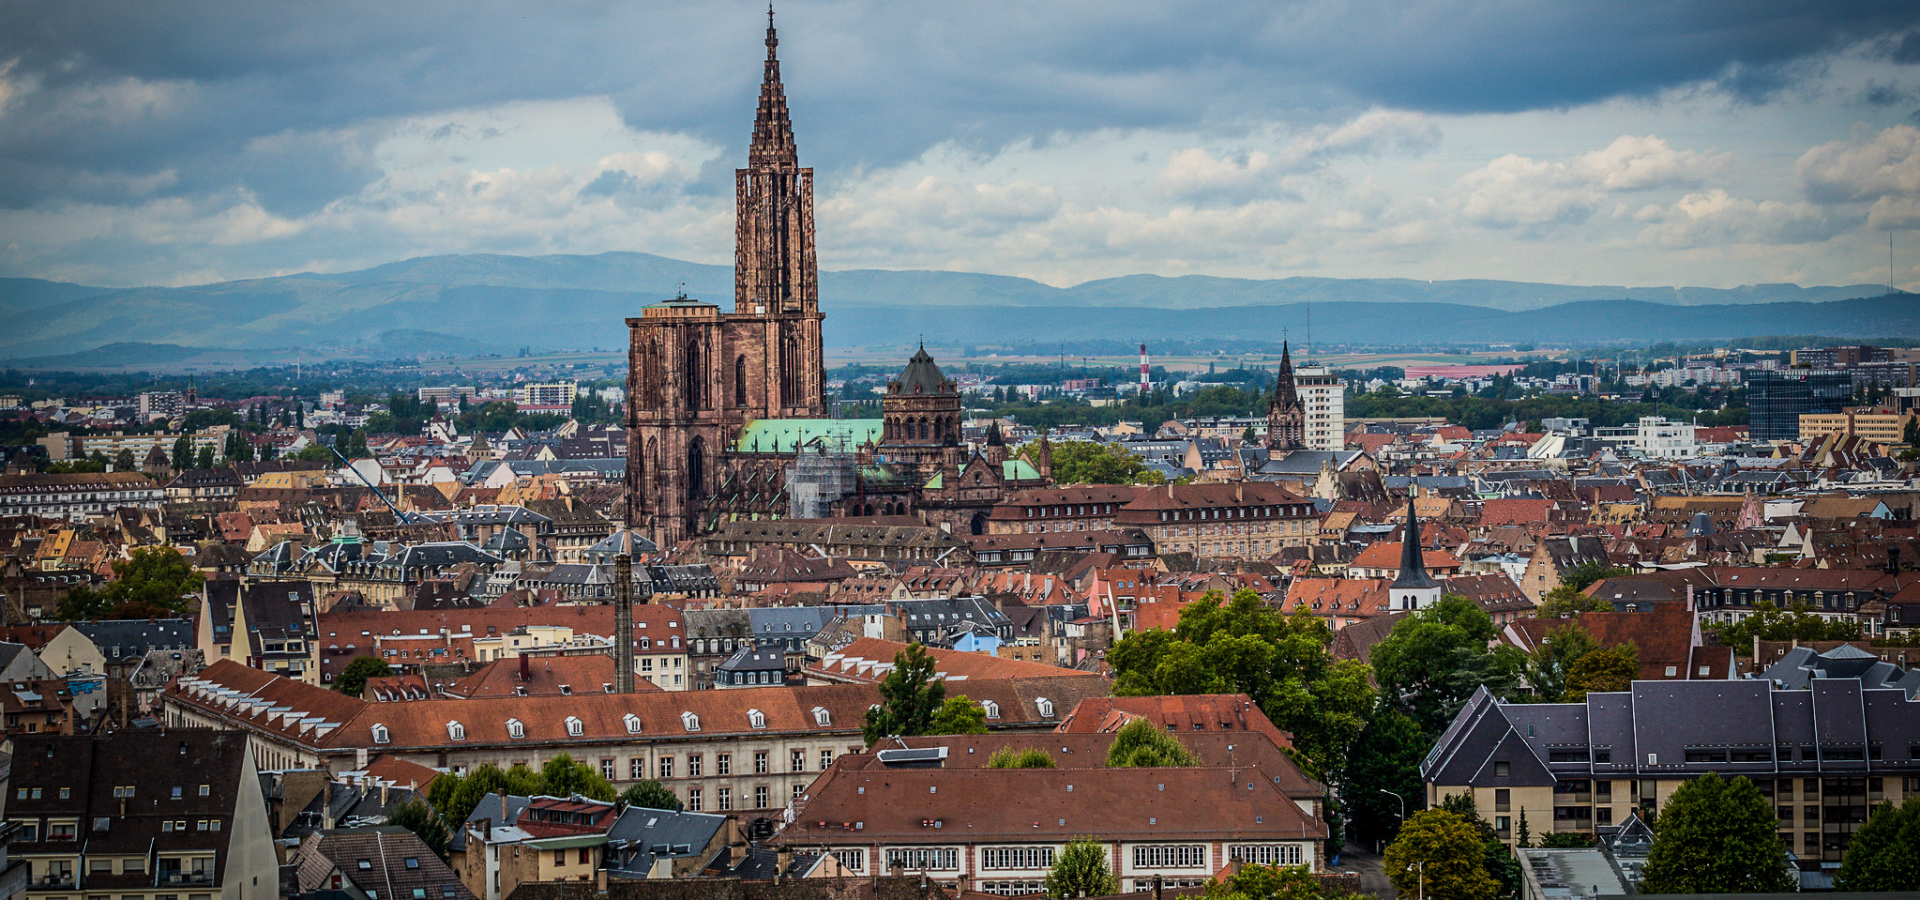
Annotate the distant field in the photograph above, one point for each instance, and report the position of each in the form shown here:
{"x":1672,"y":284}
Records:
{"x":837,"y":356}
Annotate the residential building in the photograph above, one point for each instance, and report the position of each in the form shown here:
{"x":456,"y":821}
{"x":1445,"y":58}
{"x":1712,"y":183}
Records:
{"x":1881,"y":426}
{"x":1077,"y":507}
{"x":1823,"y":756}
{"x":1659,"y":438}
{"x":130,"y":812}
{"x":385,"y":862}
{"x":1244,"y":519}
{"x":77,"y":497}
{"x":1324,"y":399}
{"x":559,"y":393}
{"x":997,"y":830}
{"x":743,"y":751}
{"x":1552,"y":557}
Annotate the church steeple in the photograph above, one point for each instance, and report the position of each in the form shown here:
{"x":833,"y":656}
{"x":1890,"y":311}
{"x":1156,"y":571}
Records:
{"x":1414,"y":588}
{"x":772,"y":127}
{"x":1286,"y":418}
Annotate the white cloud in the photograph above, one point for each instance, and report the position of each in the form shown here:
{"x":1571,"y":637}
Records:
{"x":1716,"y":218}
{"x":1515,"y":191}
{"x":1866,"y":167}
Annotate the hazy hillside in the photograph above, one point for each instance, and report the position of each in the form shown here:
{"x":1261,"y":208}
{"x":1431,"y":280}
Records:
{"x":481,"y":303}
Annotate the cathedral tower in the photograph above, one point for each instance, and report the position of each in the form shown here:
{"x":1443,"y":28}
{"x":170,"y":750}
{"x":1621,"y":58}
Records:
{"x":696,"y":374}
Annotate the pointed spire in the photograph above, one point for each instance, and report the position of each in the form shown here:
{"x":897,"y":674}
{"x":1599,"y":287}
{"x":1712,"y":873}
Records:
{"x":1413,"y":563}
{"x":772,"y":127}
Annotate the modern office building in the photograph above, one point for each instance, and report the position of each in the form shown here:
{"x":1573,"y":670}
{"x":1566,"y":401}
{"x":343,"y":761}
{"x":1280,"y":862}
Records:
{"x":1777,"y":398}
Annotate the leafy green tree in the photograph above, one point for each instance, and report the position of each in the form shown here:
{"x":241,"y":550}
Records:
{"x":1257,"y":882}
{"x":416,"y":816}
{"x":1009,"y":758}
{"x":315,"y":452}
{"x":1081,"y":870}
{"x":352,"y":680}
{"x":1441,"y":855}
{"x":1499,"y":863}
{"x":959,"y":715}
{"x":1608,"y":669}
{"x":456,"y":797}
{"x":1141,"y":744}
{"x":564,"y":777}
{"x":1582,"y":576}
{"x":182,"y":453}
{"x":1884,"y":855}
{"x":1910,"y":435}
{"x":1434,"y":660}
{"x":1086,"y":462}
{"x":1386,"y":758}
{"x":1566,"y":602}
{"x":204,"y":460}
{"x":1716,"y":836}
{"x":150,"y":582}
{"x":1547,"y":667}
{"x":650,"y":794}
{"x":124,"y":461}
{"x":1770,"y":623}
{"x":1523,"y":837}
{"x":1243,"y":646}
{"x":909,"y":697}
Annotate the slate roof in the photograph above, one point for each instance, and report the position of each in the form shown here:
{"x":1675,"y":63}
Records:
{"x":643,"y":835}
{"x":388,"y":859}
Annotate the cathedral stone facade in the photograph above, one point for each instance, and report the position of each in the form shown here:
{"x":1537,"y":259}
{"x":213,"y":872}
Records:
{"x":723,"y":406}
{"x":1286,"y":415}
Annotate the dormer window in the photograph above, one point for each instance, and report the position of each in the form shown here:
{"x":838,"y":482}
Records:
{"x":575,"y":727}
{"x":690,"y":721}
{"x":1045,"y":706}
{"x":992,"y":708}
{"x":633,"y":723}
{"x":380,"y":735}
{"x":756,"y":718}
{"x":516,"y":729}
{"x":456,"y":731}
{"x":821,"y":717}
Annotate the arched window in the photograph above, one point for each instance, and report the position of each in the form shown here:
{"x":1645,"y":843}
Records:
{"x":689,"y":721}
{"x":992,"y":708}
{"x":381,"y":735}
{"x":515,"y":729}
{"x":821,"y":717}
{"x":756,"y":718}
{"x":693,"y":374}
{"x":633,"y":723}
{"x":1045,"y":706}
{"x":456,"y":731}
{"x":575,"y":727}
{"x":740,"y":380}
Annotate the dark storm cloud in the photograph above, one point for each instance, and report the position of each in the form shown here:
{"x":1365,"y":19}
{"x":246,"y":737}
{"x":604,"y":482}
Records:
{"x":108,"y":97}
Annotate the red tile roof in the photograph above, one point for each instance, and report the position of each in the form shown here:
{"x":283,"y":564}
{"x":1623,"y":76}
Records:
{"x":868,"y":660}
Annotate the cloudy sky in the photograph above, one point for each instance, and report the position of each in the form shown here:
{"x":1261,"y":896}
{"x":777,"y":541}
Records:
{"x":1575,"y":141}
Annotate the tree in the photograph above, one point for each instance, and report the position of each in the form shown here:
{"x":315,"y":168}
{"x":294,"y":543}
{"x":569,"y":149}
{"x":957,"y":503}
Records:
{"x":150,"y":582}
{"x":909,"y":696}
{"x":1500,"y":863}
{"x":456,"y":797}
{"x":1243,"y":646}
{"x":1884,"y":855}
{"x":1606,"y":669}
{"x":1080,"y":870}
{"x":650,"y":794}
{"x":416,"y":816}
{"x":1716,"y":836}
{"x":1434,"y":660}
{"x":205,"y":458}
{"x":1546,"y":668}
{"x":1910,"y":435}
{"x":1524,"y":837}
{"x":1585,"y":574}
{"x":1257,"y":882}
{"x":353,"y":679}
{"x":182,"y":453}
{"x":563,"y":777}
{"x":1768,"y":622}
{"x":1086,"y":462}
{"x":1141,"y":743}
{"x":959,"y":715}
{"x":1385,"y":758}
{"x":124,"y":461}
{"x":1566,"y":601}
{"x":1440,"y":854}
{"x":1009,"y":758}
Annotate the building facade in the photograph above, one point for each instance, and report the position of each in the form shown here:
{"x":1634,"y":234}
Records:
{"x":1776,"y":399}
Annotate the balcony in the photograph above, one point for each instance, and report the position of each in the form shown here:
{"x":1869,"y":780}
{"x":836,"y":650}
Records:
{"x":183,"y":879}
{"x":59,"y":880}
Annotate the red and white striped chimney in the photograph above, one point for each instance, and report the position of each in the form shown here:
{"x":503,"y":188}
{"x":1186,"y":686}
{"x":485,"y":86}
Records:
{"x":1143,"y":371}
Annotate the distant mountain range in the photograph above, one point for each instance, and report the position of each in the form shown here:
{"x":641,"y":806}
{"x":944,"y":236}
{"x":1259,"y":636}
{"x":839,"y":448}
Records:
{"x":459,"y":305}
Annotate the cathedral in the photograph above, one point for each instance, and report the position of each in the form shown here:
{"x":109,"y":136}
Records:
{"x":725,"y":408}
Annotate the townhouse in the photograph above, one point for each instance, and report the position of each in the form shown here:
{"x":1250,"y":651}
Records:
{"x":1243,"y":519}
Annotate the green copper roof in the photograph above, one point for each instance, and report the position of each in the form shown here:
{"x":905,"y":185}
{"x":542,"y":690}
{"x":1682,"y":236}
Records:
{"x":1018,"y":470}
{"x":782,"y":435}
{"x":934,"y":483}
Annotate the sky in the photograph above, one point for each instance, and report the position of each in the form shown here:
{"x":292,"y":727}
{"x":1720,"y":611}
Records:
{"x":1613,"y":142}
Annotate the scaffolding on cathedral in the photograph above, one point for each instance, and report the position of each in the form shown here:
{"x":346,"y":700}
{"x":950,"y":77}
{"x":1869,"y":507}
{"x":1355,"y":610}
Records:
{"x":823,"y":474}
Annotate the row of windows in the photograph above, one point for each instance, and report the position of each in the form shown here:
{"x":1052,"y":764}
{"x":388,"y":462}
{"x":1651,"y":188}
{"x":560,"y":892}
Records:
{"x":1236,"y":512}
{"x":1266,"y":854}
{"x":1013,"y":888}
{"x":916,"y":859}
{"x":722,"y":764}
{"x":1170,"y":856}
{"x":576,"y":728}
{"x":1016,"y":858}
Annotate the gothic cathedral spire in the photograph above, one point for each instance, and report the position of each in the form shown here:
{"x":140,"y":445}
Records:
{"x":772,"y":127}
{"x":1286,"y":417}
{"x":774,"y":267}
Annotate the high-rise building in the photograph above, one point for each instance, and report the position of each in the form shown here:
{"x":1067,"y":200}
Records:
{"x":1777,"y":398}
{"x":1324,"y":400}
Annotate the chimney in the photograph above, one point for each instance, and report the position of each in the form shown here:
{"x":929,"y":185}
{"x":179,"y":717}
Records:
{"x":1158,"y":886}
{"x":526,"y":673}
{"x":486,"y":830}
{"x":783,"y":862}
